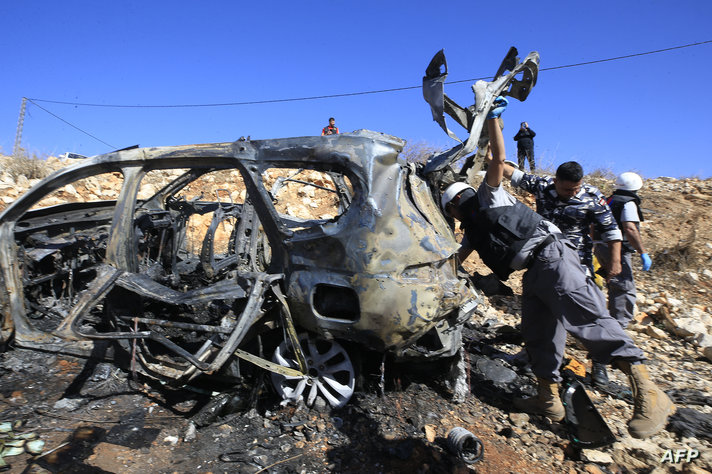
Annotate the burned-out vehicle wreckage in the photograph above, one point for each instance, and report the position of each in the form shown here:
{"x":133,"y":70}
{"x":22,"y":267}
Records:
{"x":259,"y":287}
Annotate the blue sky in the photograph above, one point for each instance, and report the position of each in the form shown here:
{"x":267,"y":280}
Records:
{"x":649,"y":113}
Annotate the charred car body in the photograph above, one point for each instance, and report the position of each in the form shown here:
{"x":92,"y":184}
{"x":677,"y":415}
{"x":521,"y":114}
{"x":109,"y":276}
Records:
{"x":288,"y":293}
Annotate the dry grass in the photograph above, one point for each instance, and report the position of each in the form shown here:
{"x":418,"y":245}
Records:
{"x":680,"y":257}
{"x":688,"y":253}
{"x":601,"y":178}
{"x":419,"y":152}
{"x":24,"y":165}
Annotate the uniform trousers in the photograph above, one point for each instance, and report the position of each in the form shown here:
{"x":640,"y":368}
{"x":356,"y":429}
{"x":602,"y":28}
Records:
{"x":526,"y":153}
{"x":557,"y":297}
{"x":621,"y":288}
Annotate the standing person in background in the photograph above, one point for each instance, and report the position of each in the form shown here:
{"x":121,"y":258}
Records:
{"x":330,"y":129}
{"x":625,"y":205}
{"x":525,"y":146}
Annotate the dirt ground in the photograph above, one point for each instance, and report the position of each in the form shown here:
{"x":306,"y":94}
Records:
{"x":133,"y":428}
{"x":97,"y":416}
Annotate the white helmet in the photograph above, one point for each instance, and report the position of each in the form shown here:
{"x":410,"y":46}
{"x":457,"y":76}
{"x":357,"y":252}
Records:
{"x":629,"y":181}
{"x":452,"y":191}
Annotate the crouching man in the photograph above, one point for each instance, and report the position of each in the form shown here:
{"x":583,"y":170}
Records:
{"x":557,"y":295}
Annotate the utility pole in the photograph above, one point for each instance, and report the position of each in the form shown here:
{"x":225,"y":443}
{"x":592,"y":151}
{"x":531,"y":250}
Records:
{"x":20,"y":123}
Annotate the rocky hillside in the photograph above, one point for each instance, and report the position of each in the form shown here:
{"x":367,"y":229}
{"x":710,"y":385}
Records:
{"x":118,"y":426}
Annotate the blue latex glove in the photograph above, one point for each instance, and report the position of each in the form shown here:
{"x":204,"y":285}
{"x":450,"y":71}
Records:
{"x":498,"y":106}
{"x":647,"y":261}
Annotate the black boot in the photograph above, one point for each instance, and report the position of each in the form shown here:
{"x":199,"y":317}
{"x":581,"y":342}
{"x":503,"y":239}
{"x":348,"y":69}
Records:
{"x":599,"y":374}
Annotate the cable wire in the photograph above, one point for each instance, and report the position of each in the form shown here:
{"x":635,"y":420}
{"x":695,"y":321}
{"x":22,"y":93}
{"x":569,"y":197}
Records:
{"x":350,"y":94}
{"x":331,"y":96}
{"x":71,"y":125}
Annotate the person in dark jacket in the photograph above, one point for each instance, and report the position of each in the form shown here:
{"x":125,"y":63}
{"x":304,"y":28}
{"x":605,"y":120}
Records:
{"x":557,"y":296}
{"x":525,"y":146}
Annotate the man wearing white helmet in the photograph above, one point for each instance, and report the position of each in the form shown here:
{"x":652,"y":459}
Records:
{"x":625,"y":205}
{"x":557,"y":296}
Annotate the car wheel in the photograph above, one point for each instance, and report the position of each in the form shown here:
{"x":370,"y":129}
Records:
{"x":330,"y":372}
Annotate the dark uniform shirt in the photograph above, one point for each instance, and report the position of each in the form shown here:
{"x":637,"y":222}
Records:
{"x":525,"y":138}
{"x":575,"y":216}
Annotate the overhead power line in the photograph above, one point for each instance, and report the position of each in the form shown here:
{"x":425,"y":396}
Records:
{"x":349,"y":94}
{"x":617,"y":58}
{"x":71,"y":125}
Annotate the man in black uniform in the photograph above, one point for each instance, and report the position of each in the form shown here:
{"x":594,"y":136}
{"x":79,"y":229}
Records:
{"x":525,"y":146}
{"x":557,"y":296}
